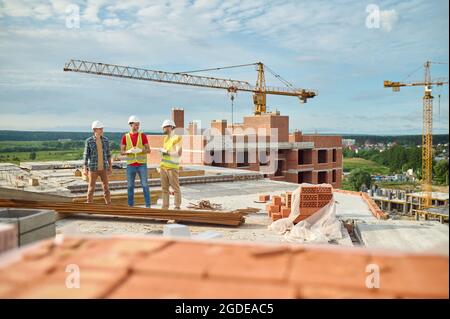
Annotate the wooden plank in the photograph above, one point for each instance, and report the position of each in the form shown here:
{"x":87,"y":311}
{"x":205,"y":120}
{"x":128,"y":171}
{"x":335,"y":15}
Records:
{"x":9,"y":193}
{"x":206,"y":217}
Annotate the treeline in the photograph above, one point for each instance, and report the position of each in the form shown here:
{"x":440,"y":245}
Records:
{"x":54,"y":136}
{"x":401,"y":158}
{"x":406,"y":140}
{"x":397,"y":158}
{"x":52,"y":146}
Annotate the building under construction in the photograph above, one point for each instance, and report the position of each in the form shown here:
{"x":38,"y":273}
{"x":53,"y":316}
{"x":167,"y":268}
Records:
{"x":261,"y":143}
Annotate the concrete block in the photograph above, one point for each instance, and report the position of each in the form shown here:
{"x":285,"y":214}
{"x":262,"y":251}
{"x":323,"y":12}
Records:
{"x":207,"y":235}
{"x":44,"y":232}
{"x":176,"y":230}
{"x":27,"y":219}
{"x":31,"y":224}
{"x":8,"y":237}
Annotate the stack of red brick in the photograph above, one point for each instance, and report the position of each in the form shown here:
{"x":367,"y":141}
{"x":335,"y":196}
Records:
{"x":312,"y":198}
{"x":280,"y":207}
{"x":166,"y":268}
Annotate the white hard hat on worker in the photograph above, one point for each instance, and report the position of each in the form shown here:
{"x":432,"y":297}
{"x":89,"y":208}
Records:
{"x":97,"y":124}
{"x":133,"y":119}
{"x":168,"y":123}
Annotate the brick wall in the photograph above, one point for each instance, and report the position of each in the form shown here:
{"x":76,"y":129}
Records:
{"x":178,"y":117}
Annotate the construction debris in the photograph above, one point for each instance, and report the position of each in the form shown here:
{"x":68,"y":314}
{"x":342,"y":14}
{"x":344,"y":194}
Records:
{"x":205,"y":204}
{"x":205,"y":217}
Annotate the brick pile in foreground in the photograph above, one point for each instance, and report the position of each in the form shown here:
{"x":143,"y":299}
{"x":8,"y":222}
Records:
{"x":163,"y":268}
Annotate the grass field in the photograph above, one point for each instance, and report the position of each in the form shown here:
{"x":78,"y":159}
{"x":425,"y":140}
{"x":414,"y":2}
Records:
{"x":369,"y":166}
{"x":16,"y":157}
{"x":19,"y":151}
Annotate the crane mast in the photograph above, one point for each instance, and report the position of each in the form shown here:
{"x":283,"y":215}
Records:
{"x":427,"y":129}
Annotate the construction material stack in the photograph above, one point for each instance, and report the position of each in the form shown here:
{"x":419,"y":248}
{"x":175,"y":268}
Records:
{"x":312,"y":198}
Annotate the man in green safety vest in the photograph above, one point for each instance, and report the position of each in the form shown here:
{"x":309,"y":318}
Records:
{"x":135,"y":147}
{"x":170,"y":164}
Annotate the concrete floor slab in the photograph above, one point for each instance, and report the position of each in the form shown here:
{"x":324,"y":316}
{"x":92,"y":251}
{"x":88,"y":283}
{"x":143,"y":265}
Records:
{"x":411,"y":236}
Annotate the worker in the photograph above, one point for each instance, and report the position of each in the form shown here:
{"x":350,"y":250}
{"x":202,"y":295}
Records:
{"x":97,"y":161}
{"x":135,"y":146}
{"x":169,"y":167}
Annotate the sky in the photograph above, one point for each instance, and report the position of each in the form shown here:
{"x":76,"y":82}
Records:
{"x":343,"y":49}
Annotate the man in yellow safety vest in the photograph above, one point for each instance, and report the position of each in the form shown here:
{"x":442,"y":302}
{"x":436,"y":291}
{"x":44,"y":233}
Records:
{"x":170,"y":164}
{"x":135,"y":146}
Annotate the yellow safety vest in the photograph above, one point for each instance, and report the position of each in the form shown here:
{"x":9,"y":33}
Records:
{"x":140,"y":158}
{"x":170,"y":161}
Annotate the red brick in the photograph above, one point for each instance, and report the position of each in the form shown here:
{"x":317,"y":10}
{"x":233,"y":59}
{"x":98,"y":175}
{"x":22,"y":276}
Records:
{"x":308,"y":197}
{"x":288,"y":199}
{"x":322,"y":203}
{"x":271,"y":267}
{"x":276,"y":200}
{"x":93,"y":284}
{"x":180,"y":259}
{"x":340,"y":292}
{"x":308,"y":190}
{"x":114,"y":254}
{"x":285,"y":211}
{"x":338,"y":268}
{"x":264,"y":198}
{"x":410,"y":276}
{"x":308,"y":204}
{"x":276,"y":216}
{"x":152,"y":286}
{"x":325,"y":197}
{"x":274,"y":209}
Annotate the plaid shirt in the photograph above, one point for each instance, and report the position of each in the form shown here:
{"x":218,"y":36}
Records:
{"x":90,"y":157}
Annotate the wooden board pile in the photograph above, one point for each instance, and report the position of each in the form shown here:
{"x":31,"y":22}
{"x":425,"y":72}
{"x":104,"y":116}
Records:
{"x":233,"y":218}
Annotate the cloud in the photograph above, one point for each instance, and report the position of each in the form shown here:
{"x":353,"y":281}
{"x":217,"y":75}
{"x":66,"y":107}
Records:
{"x":314,"y":44}
{"x":388,"y":18}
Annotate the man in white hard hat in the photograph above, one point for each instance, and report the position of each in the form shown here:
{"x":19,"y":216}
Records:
{"x":170,"y":164}
{"x":97,"y":161}
{"x":135,"y":146}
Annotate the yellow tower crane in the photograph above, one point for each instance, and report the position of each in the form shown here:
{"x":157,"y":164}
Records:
{"x":427,"y":130}
{"x":260,"y":90}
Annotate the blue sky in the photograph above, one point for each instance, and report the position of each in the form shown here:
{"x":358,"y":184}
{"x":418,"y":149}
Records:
{"x":323,"y":45}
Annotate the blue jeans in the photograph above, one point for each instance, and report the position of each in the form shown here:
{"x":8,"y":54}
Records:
{"x":141,"y":170}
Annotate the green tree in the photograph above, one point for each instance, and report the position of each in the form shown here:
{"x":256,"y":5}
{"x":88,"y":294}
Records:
{"x":441,"y":172}
{"x":32,"y":156}
{"x":358,"y":177}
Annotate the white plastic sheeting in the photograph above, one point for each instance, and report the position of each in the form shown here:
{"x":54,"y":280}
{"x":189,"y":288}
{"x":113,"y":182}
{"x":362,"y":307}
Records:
{"x":321,"y":227}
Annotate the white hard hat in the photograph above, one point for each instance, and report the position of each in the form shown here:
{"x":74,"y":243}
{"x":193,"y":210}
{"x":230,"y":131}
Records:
{"x":133,"y":119}
{"x":97,"y":124}
{"x":168,"y":123}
